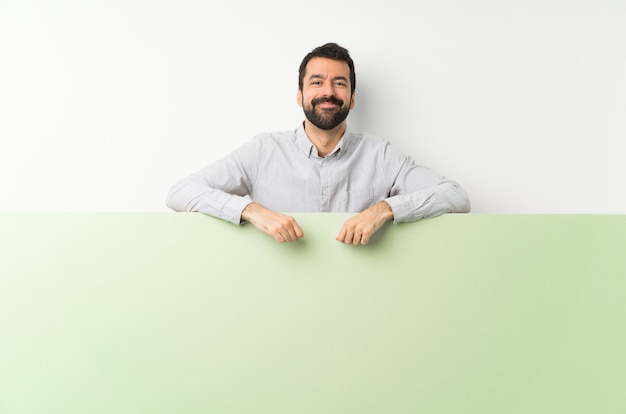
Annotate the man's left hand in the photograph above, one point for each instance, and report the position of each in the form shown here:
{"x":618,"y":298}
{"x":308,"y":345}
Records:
{"x":359,"y":229}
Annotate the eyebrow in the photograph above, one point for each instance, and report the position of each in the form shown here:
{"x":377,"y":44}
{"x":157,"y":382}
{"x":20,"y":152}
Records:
{"x":317,"y":76}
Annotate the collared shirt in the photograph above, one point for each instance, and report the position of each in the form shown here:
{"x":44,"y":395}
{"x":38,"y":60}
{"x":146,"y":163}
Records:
{"x":283,"y":172}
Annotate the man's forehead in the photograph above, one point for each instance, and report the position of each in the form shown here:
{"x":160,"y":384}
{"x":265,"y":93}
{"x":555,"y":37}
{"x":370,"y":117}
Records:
{"x":322,"y":67}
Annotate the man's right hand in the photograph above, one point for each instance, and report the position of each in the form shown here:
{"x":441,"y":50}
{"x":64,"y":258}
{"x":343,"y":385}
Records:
{"x":281,"y":227}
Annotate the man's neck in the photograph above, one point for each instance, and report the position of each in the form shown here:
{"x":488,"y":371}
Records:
{"x":324,"y":141}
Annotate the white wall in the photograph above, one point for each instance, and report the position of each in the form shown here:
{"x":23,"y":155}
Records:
{"x":105,"y":104}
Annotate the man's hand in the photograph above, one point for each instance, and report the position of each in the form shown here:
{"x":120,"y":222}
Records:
{"x":359,"y":229}
{"x":281,"y":227}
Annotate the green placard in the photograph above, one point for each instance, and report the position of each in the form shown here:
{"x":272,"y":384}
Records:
{"x":184,"y":313}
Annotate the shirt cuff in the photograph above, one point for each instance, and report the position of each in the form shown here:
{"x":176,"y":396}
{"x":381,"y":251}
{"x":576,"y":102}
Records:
{"x":402,"y":209}
{"x":234,"y":207}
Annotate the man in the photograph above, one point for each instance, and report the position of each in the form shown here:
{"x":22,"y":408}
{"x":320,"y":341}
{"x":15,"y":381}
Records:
{"x":321,"y":166}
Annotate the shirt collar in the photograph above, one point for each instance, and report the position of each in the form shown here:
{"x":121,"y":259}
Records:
{"x":306,"y":146}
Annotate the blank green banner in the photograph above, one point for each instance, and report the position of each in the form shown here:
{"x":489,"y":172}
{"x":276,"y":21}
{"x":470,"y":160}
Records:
{"x":184,"y":313}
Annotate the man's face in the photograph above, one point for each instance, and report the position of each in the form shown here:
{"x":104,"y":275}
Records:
{"x":326,"y":96}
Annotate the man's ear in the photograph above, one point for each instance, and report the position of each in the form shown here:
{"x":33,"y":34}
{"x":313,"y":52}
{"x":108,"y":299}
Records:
{"x":299,"y":97}
{"x":352,"y":100}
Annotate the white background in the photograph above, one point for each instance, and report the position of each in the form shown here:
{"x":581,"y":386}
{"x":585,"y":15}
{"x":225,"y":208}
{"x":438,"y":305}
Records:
{"x":105,"y":104}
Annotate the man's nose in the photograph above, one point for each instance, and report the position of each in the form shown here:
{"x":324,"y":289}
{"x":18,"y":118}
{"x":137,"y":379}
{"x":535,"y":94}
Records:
{"x":328,"y":89}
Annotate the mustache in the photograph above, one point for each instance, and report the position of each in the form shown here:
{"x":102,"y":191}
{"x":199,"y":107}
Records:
{"x":330,"y":99}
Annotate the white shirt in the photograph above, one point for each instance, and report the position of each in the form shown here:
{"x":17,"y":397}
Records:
{"x":283,"y":172}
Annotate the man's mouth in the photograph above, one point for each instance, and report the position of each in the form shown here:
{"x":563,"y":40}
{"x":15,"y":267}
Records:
{"x":327,"y":103}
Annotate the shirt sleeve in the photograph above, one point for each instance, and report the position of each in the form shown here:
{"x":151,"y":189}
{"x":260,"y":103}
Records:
{"x":418,"y":192}
{"x":222,"y":189}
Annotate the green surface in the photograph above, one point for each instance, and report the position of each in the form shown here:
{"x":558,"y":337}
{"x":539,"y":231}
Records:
{"x":183,"y":313}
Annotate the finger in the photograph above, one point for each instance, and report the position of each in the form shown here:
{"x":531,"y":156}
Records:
{"x":290,"y":235}
{"x":299,"y":232}
{"x":349,"y":237}
{"x":341,"y":237}
{"x":295,"y":232}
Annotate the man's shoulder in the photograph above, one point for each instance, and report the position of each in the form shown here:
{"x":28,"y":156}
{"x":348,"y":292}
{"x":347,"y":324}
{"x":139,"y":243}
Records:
{"x":376,"y":145}
{"x":367,"y":139}
{"x":276,"y":136}
{"x":263,"y":142}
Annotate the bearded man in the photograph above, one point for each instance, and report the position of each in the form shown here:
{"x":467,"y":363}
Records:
{"x":321,"y":166}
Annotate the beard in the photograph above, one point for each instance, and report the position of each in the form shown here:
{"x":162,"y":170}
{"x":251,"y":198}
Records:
{"x":326,"y":119}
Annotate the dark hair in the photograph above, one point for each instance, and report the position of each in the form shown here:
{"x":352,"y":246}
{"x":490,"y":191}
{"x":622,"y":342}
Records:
{"x":330,"y":51}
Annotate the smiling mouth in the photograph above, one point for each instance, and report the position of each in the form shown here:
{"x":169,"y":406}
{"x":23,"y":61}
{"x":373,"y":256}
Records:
{"x":327,"y":102}
{"x":327,"y":105}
